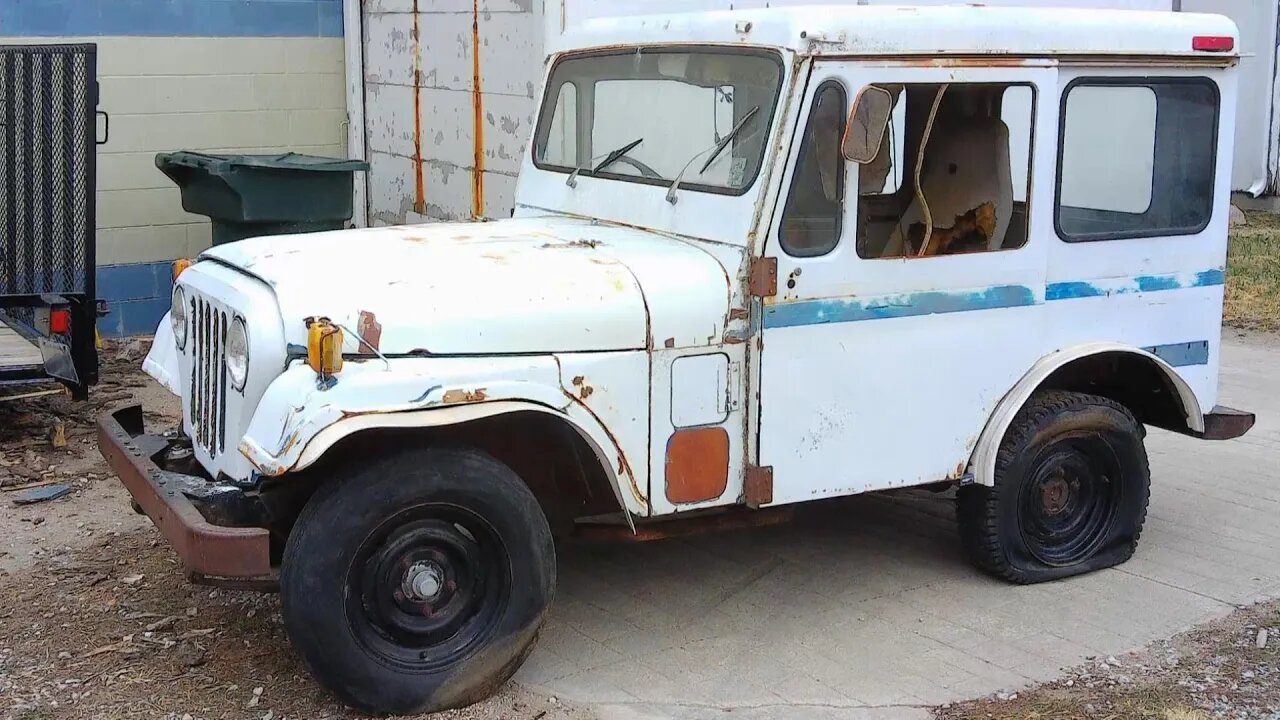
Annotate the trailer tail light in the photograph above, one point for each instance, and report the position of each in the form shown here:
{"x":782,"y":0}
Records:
{"x":59,"y":321}
{"x":1213,"y":43}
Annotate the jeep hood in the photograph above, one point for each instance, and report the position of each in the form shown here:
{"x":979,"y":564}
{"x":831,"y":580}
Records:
{"x":530,"y":285}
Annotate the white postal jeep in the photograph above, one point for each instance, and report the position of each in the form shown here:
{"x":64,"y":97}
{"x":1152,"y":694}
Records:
{"x":756,"y":258}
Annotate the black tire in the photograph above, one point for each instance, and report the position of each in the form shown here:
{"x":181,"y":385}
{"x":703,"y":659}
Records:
{"x":1070,"y":495}
{"x":458,"y":521}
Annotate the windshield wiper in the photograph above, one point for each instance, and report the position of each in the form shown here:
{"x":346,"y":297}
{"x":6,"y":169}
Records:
{"x":609,"y":159}
{"x":715,"y":151}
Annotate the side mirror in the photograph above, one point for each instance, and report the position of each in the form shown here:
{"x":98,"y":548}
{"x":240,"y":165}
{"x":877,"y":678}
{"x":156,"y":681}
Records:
{"x":867,"y":122}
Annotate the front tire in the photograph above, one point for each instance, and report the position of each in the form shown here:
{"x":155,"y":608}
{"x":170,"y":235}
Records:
{"x":419,"y":582}
{"x":1070,"y":494}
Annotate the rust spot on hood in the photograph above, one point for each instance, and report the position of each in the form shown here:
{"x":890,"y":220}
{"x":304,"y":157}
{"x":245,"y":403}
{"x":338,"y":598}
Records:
{"x":581,"y":243}
{"x":369,"y":329}
{"x":457,"y":396}
{"x":739,"y":314}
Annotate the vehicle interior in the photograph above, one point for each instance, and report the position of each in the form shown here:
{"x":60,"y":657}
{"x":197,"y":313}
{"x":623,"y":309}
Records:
{"x":952,"y":162}
{"x":947,"y":163}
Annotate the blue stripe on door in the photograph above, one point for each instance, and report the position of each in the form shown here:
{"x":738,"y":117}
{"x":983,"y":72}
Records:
{"x":839,"y":310}
{"x":852,"y":309}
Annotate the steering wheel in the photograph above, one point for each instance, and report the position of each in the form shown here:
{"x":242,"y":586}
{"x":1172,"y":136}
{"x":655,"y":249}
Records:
{"x":645,"y":170}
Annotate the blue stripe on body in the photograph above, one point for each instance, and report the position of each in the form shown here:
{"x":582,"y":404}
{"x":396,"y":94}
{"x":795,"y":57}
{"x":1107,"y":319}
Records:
{"x":850,"y":309}
{"x":1182,"y":354}
{"x":1141,"y":283}
{"x":838,"y":310}
{"x":171,"y":18}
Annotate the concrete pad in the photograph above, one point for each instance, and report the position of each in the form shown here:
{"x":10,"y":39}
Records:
{"x":865,"y":608}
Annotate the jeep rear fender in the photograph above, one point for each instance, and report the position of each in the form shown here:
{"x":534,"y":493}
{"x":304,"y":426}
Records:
{"x":982,"y":461}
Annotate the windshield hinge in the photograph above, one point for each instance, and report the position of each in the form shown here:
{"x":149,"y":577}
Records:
{"x":758,"y":488}
{"x":763,"y":279}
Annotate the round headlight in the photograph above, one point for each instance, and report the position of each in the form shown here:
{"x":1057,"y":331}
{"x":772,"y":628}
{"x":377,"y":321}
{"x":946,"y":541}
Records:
{"x":178,"y":317}
{"x":238,"y":354}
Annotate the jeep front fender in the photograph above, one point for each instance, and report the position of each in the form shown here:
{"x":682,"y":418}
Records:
{"x":286,"y":435}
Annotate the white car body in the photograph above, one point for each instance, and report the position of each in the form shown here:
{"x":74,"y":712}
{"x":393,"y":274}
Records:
{"x":635,"y":319}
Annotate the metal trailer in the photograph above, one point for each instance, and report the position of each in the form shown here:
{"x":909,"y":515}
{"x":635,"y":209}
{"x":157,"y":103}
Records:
{"x":48,"y":139}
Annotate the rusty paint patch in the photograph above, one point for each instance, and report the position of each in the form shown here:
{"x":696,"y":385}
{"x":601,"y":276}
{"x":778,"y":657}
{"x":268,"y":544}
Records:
{"x":419,"y":178}
{"x":586,"y":391}
{"x":739,"y":313}
{"x":624,"y":467}
{"x":727,"y":520}
{"x":370,"y":330}
{"x":457,"y":396}
{"x":669,"y":342}
{"x":289,"y":442}
{"x":477,"y":102}
{"x":582,"y":243}
{"x":758,"y":486}
{"x":731,"y":339}
{"x":578,"y":380}
{"x":763,"y":278}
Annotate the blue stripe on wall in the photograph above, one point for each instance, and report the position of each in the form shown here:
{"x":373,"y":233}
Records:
{"x":137,"y":297}
{"x":171,"y":18}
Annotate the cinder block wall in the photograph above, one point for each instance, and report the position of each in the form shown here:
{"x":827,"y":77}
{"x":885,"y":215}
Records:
{"x":258,"y":76}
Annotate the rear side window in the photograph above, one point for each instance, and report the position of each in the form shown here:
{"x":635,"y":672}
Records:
{"x":1137,"y":157}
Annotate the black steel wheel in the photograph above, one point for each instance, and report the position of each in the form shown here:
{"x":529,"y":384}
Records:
{"x":431,"y":581}
{"x":1070,"y":493}
{"x":420,"y":582}
{"x":1069,"y":502}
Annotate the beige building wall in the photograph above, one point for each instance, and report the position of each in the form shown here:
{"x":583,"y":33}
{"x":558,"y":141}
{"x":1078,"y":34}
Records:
{"x":252,"y":95}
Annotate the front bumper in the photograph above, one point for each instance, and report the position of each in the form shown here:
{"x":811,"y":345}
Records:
{"x":209,"y":552}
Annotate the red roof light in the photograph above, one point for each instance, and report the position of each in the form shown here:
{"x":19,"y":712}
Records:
{"x":1213,"y":43}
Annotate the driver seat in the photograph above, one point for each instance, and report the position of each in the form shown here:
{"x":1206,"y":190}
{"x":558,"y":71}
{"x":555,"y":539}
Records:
{"x":966,"y":167}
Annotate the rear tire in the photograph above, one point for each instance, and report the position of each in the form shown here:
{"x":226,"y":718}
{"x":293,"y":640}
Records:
{"x":419,"y":582}
{"x":1070,"y":494}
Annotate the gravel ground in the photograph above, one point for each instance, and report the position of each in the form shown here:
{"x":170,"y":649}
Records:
{"x":1229,"y":668}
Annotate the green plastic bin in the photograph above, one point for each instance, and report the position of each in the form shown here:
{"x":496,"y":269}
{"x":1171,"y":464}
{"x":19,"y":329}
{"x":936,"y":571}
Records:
{"x":255,"y":195}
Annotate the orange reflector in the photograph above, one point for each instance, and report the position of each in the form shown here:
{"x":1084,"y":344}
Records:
{"x":179,"y":265}
{"x":60,"y":321}
{"x":1213,"y":43}
{"x":697,"y":464}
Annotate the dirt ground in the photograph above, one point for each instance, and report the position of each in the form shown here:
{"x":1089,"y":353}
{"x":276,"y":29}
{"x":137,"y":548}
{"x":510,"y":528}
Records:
{"x":96,"y":618}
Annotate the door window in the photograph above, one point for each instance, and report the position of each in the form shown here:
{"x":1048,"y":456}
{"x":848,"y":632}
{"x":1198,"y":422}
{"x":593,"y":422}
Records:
{"x":811,"y":219}
{"x":953,"y":172}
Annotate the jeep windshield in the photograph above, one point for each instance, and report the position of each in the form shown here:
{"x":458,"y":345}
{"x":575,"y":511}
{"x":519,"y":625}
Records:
{"x":683,"y":105}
